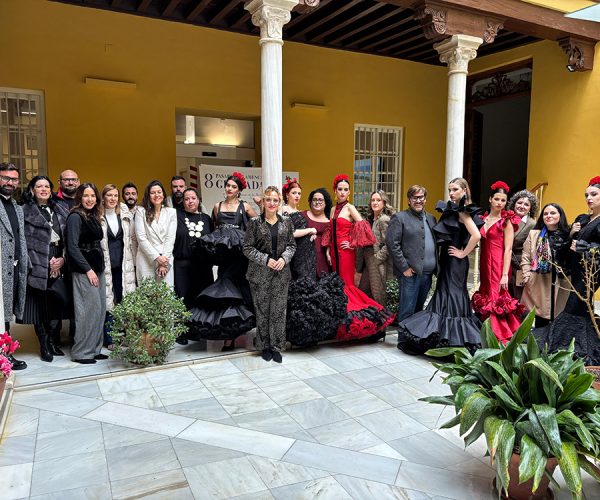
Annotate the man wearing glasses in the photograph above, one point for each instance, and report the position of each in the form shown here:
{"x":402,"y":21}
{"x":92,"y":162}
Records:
{"x":411,"y":243}
{"x":14,"y":251}
{"x":68,"y":184}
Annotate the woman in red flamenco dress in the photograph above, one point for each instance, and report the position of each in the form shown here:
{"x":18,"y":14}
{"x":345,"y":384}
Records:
{"x":347,"y":230}
{"x":492,"y":300}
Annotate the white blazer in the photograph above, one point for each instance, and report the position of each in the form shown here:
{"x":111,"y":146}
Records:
{"x":154,"y":240}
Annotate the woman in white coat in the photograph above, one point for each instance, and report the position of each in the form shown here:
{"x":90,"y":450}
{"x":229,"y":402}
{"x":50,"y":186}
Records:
{"x":155,"y":229}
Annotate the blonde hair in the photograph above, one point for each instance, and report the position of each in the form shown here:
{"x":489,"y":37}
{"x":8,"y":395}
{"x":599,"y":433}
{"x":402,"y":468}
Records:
{"x":106,"y":189}
{"x":271,"y":189}
{"x":387,"y":207}
{"x":463,"y":184}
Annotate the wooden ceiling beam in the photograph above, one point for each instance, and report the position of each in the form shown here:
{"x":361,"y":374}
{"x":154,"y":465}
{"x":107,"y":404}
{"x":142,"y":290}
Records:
{"x":143,"y":6}
{"x":393,"y":36}
{"x":382,"y":30}
{"x":364,"y":27}
{"x":323,"y":20}
{"x":222,"y":14}
{"x":170,"y":8}
{"x":241,"y":21}
{"x":387,"y":49}
{"x":519,"y":16}
{"x":347,"y":22}
{"x":195,"y":12}
{"x":301,"y":17}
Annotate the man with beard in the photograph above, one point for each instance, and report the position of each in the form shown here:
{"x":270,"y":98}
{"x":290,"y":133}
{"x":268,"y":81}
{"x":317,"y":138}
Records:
{"x":68,"y":184}
{"x":14,"y":251}
{"x":129,"y":193}
{"x":177,"y":188}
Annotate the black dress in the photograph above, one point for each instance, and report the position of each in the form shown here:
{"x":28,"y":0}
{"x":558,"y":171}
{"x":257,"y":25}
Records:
{"x":315,"y":308}
{"x":575,"y":322}
{"x":191,"y":262}
{"x":224,"y":310}
{"x":448,"y":319}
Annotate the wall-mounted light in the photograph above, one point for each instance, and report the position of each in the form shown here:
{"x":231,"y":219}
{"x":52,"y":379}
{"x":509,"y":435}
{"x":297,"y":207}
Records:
{"x":100,"y":82}
{"x":190,"y":130}
{"x":305,"y":105}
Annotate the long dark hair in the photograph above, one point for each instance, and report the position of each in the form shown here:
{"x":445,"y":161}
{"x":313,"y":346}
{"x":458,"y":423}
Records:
{"x":147,"y":204}
{"x":326,"y":197}
{"x":96,"y":212}
{"x":29,"y":197}
{"x":563,"y":225}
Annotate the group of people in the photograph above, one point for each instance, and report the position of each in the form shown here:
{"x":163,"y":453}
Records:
{"x":74,"y":253}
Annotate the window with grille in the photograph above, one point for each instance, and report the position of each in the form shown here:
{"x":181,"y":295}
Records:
{"x":377,"y":164}
{"x":22,"y":132}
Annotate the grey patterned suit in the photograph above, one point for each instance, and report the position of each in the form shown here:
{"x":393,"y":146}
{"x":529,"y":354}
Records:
{"x":269,"y":288}
{"x":10,"y":272}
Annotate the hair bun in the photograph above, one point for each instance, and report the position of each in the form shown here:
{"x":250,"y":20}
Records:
{"x":241,"y":178}
{"x":500,"y":185}
{"x":339,"y":178}
{"x":594,"y":181}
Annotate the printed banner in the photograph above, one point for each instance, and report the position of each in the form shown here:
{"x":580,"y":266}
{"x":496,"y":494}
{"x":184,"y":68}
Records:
{"x":212,"y":180}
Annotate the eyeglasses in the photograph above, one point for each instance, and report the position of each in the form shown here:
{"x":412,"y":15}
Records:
{"x":6,"y":178}
{"x":318,"y":201}
{"x":71,"y":179}
{"x":418,"y":198}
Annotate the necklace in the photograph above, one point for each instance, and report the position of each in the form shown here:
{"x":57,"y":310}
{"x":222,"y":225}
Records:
{"x":194,"y":228}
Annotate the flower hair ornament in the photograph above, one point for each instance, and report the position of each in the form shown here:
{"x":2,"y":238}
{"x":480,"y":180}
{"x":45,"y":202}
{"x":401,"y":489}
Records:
{"x":241,"y":178}
{"x":500,"y":185}
{"x":288,"y":183}
{"x":339,"y":178}
{"x":594,"y":181}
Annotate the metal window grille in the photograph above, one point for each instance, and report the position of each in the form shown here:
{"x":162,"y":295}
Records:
{"x":22,"y":132}
{"x":377,"y":164}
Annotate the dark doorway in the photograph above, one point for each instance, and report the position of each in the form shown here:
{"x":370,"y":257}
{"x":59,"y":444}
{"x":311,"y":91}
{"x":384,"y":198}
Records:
{"x":497,"y":129}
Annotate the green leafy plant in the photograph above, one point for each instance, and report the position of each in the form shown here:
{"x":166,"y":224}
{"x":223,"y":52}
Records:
{"x":533,"y":403}
{"x":392,"y":295}
{"x":147,"y":322}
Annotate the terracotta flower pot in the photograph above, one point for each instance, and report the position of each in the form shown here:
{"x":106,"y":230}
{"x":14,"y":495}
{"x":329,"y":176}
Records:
{"x":522,"y":491}
{"x":595,"y":372}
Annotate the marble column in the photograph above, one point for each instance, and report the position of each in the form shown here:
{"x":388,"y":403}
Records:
{"x":271,"y":16}
{"x":456,"y":51}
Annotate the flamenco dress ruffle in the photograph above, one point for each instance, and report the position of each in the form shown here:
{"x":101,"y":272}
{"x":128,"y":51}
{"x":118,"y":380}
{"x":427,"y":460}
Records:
{"x":447,"y":319}
{"x":224,"y":311}
{"x":364,"y":317}
{"x":492,"y":301}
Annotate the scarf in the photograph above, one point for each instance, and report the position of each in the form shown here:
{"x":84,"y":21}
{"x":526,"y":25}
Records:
{"x":338,"y":208}
{"x":542,"y":258}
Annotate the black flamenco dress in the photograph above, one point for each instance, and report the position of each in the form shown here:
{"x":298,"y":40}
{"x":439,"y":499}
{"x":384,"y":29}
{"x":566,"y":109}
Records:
{"x":364,"y":317}
{"x":315,"y":307}
{"x":224,"y":310}
{"x":574,"y":321}
{"x":448,"y":319}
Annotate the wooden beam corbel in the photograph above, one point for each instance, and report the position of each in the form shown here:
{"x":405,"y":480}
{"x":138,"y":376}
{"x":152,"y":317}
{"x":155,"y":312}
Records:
{"x":580,"y":53}
{"x":306,"y":6}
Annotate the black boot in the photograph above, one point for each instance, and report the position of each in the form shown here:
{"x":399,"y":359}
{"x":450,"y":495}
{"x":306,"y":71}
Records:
{"x":54,"y":337}
{"x":45,"y":346}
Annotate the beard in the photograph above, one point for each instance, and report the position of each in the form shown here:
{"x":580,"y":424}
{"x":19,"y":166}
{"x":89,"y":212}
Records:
{"x":69,"y":191}
{"x":7,"y":190}
{"x":178,"y":197}
{"x":130,"y":202}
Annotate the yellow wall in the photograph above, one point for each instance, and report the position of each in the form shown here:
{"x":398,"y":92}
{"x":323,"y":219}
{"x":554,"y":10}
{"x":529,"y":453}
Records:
{"x":564,"y":144}
{"x":117,"y":135}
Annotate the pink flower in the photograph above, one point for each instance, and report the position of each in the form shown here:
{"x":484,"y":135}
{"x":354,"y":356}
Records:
{"x":5,"y":366}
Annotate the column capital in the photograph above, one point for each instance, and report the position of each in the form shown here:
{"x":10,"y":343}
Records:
{"x":270,"y":16}
{"x":457,"y":51}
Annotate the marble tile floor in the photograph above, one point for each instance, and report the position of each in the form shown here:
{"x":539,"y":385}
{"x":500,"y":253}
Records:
{"x":335,"y":422}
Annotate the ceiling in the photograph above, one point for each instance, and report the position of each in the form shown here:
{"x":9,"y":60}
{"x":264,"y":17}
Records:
{"x":367,"y":26}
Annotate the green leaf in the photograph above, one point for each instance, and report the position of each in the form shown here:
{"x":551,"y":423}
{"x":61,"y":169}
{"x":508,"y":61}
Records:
{"x":569,"y":466}
{"x":493,"y":433}
{"x":474,"y":408}
{"x":546,"y":369}
{"x":506,"y":399}
{"x":533,"y":352}
{"x":568,"y":418}
{"x":439,"y":400}
{"x":506,"y":446}
{"x":454,"y":421}
{"x":575,"y":386}
{"x":488,"y":339}
{"x":589,"y":467}
{"x":444,"y":352}
{"x":508,"y":355}
{"x":483,"y":354}
{"x":532,"y":463}
{"x":510,"y":385}
{"x":464,"y":392}
{"x":545,"y":429}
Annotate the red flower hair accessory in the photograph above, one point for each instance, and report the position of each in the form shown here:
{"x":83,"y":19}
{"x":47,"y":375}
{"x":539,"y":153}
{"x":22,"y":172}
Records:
{"x":339,"y":178}
{"x":288,"y":185}
{"x":500,"y":185}
{"x":241,"y":178}
{"x":594,"y":180}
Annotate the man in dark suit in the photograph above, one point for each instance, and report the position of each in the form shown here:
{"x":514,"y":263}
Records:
{"x":14,"y":251}
{"x":411,"y":244}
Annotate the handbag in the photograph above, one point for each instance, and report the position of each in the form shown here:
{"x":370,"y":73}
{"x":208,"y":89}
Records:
{"x":59,"y":292}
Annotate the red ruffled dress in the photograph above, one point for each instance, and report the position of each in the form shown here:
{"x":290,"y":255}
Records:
{"x":491,"y":301}
{"x":364,"y":317}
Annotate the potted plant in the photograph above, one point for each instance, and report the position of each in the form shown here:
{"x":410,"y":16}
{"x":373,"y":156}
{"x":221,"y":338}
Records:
{"x":146,"y":323}
{"x":535,"y":409}
{"x":7,"y":347}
